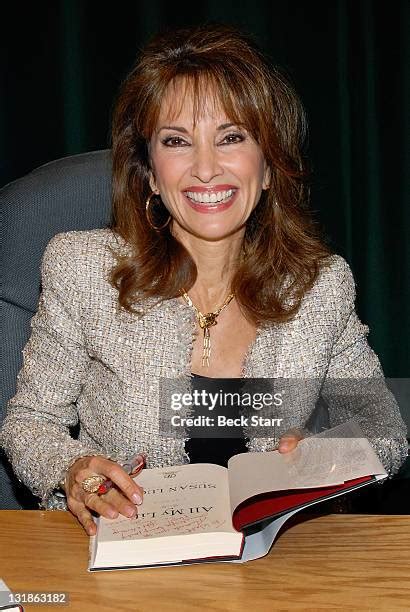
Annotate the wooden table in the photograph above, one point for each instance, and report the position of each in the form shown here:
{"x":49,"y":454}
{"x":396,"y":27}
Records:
{"x":331,"y":562}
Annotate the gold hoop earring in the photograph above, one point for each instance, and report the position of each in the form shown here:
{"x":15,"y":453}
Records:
{"x":148,"y":215}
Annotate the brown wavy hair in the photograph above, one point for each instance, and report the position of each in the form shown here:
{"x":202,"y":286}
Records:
{"x":282,"y":251}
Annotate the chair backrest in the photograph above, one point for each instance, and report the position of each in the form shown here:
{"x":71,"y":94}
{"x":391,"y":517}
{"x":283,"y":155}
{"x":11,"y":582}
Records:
{"x":73,"y":193}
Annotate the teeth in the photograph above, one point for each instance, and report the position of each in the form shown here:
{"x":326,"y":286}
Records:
{"x":209,"y":198}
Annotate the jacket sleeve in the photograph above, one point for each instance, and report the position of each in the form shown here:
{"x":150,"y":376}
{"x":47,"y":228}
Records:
{"x":35,"y":433}
{"x":355,"y":385}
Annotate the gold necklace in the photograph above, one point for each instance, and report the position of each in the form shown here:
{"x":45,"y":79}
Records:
{"x":206,"y":321}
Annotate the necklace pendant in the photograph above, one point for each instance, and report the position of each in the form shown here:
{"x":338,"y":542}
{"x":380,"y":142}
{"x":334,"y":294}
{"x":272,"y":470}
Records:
{"x":206,"y":350}
{"x":207,"y":320}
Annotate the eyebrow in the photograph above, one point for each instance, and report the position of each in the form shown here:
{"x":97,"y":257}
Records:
{"x":182,"y":130}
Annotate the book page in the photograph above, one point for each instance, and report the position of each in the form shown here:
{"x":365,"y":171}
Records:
{"x":329,"y":458}
{"x":177,"y":500}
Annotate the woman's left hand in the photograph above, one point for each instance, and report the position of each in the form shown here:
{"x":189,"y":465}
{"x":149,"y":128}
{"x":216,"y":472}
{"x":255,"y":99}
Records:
{"x":289,"y":441}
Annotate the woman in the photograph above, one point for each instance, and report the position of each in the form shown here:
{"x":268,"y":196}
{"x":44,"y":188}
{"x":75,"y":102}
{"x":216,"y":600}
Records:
{"x":212,"y":267}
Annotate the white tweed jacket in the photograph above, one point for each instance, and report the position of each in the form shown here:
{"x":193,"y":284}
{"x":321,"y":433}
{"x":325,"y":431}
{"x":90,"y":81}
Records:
{"x":89,"y":363}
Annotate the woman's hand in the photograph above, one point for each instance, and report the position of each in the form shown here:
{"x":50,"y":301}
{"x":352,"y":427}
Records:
{"x":289,"y":441}
{"x":118,"y":500}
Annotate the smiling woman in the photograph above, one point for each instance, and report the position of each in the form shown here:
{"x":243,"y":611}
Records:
{"x":211,"y":237}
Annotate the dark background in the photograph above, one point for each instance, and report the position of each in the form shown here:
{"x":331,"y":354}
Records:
{"x":64,"y":60}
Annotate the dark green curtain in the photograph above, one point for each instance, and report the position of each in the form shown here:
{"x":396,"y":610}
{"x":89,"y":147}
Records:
{"x":63,"y":61}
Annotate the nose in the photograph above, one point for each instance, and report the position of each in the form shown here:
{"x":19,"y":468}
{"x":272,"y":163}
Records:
{"x":205,"y":163}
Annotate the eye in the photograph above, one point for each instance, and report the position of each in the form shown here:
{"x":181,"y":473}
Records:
{"x":233,"y":138}
{"x":174,"y":141}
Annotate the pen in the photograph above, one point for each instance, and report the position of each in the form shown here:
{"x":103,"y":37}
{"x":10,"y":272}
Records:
{"x":132,"y":466}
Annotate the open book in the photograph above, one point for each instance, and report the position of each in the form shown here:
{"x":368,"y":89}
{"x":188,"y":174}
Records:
{"x":204,"y":512}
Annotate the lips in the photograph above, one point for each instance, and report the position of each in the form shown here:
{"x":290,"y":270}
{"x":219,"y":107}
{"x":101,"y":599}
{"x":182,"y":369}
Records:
{"x":210,"y":199}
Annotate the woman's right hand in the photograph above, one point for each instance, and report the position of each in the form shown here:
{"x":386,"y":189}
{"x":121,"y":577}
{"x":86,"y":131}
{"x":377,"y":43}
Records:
{"x":121,"y":499}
